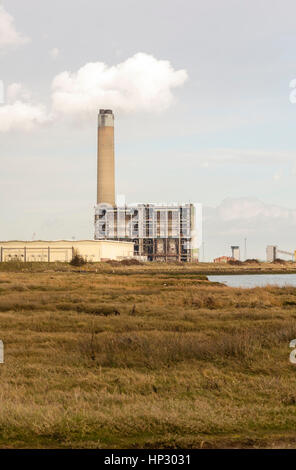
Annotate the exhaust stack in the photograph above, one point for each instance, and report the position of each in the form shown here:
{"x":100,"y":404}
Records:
{"x":106,"y":171}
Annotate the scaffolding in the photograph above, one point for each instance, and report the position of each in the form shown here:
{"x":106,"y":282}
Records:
{"x":160,"y":232}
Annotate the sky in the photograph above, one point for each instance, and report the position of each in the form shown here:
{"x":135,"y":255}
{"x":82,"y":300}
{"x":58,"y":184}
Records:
{"x":204,"y":103}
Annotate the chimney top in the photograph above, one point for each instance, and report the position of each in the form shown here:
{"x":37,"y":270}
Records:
{"x":106,"y":111}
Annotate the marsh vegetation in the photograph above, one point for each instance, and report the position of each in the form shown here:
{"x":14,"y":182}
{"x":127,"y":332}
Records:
{"x":107,"y":355}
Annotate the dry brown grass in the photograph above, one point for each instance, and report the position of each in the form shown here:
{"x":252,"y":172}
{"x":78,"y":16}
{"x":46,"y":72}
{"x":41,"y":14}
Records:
{"x":143,"y":356}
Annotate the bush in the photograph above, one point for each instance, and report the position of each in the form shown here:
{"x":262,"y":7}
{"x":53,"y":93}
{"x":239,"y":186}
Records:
{"x":125,"y":262}
{"x":131,"y":262}
{"x":78,"y":260}
{"x":279,"y":261}
{"x":235,"y":262}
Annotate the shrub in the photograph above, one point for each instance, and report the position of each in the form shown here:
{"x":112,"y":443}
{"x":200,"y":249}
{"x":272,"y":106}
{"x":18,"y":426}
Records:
{"x":279,"y":261}
{"x":125,"y":262}
{"x":235,"y":262}
{"x":131,"y":262}
{"x":77,"y":260}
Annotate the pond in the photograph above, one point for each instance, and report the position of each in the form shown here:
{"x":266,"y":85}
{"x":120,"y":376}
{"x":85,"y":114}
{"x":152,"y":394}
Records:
{"x":255,"y":280}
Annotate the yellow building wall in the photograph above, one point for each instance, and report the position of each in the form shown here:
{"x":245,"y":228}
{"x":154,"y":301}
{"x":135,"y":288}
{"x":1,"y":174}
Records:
{"x":63,"y":250}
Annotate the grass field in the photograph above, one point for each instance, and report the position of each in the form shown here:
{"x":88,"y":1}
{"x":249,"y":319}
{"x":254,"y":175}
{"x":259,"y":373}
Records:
{"x":111,"y":356}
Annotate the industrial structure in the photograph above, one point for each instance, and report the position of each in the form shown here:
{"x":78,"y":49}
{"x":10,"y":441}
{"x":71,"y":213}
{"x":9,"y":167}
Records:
{"x":106,"y":166}
{"x":223,"y":259}
{"x":90,"y":250}
{"x":160,"y":232}
{"x":235,"y":256}
{"x":235,"y":253}
{"x":154,"y":232}
{"x":64,"y":250}
{"x":273,"y":253}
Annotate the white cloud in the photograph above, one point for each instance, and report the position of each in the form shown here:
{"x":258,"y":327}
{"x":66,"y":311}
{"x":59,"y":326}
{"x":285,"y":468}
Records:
{"x":9,"y":36}
{"x":54,"y":53}
{"x":141,"y":83}
{"x":250,"y":208}
{"x":20,"y":112}
{"x":22,"y":116}
{"x":17,"y":91}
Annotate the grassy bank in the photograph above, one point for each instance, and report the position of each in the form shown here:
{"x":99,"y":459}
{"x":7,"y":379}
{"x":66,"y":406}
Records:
{"x":174,"y":269}
{"x":143,"y":356}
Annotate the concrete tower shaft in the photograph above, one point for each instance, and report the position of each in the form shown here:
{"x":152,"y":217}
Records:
{"x":106,"y":167}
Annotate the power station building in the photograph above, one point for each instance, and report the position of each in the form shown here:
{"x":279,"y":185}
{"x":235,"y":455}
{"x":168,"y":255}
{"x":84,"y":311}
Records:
{"x":160,"y":232}
{"x":153,"y":232}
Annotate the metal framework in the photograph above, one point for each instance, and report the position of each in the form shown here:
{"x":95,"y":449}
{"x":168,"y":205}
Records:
{"x":160,"y":232}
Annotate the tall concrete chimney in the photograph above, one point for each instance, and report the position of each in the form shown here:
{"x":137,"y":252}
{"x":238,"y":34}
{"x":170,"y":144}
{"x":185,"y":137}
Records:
{"x":106,"y":172}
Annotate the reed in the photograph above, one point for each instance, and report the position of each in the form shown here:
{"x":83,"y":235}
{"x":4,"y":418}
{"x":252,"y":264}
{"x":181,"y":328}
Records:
{"x":143,"y":356}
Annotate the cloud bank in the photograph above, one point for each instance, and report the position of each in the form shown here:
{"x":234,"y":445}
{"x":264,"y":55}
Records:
{"x":249,"y":209}
{"x":9,"y":36}
{"x":20,"y":113}
{"x":141,"y":83}
{"x":22,"y":116}
{"x":236,"y":219}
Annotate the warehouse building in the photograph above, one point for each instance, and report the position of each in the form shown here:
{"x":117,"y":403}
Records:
{"x":64,"y":250}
